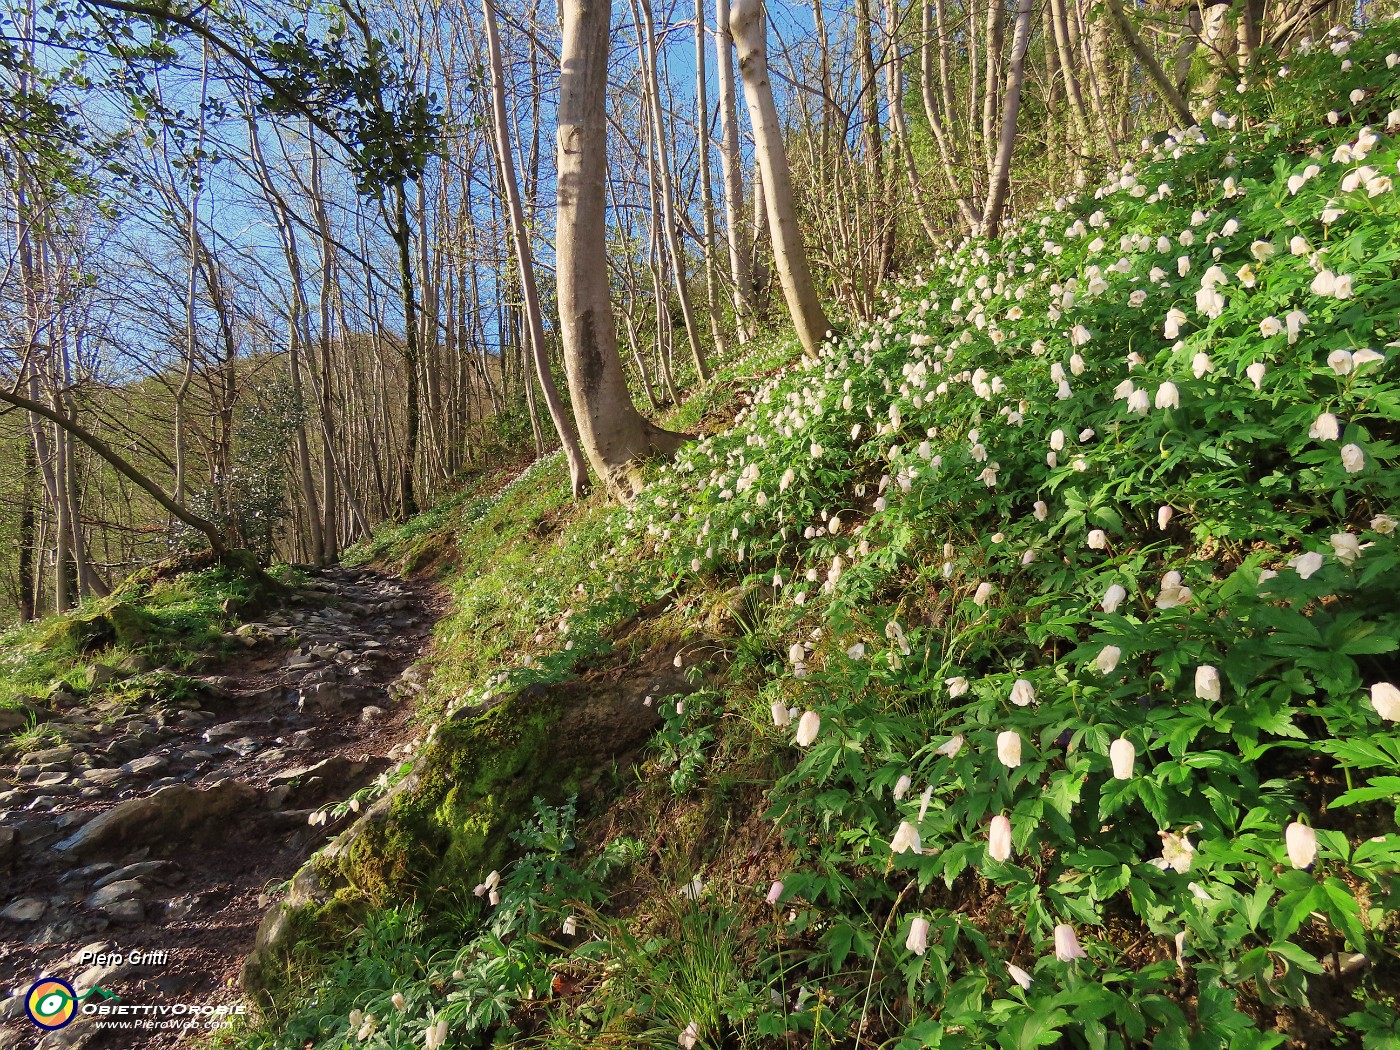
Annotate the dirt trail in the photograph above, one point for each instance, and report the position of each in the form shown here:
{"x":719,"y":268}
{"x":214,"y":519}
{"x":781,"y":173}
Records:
{"x":160,"y":832}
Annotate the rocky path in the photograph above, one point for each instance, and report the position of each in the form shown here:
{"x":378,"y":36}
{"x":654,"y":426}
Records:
{"x":139,"y":856}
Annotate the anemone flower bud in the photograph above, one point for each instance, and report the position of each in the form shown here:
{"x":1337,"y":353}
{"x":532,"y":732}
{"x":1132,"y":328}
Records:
{"x":1122,"y":754}
{"x":983,"y":595}
{"x":917,"y":941}
{"x":1207,"y":682}
{"x":1164,"y":517}
{"x":807,"y":728}
{"x":1057,"y":440}
{"x":1255,"y":372}
{"x":1067,"y":944}
{"x":796,"y":653}
{"x":1040,"y":510}
{"x":902,"y":786}
{"x":570,"y":926}
{"x":1353,"y":459}
{"x":1301,"y":843}
{"x":436,"y":1036}
{"x":1019,"y":975}
{"x":1113,"y":597}
{"x":1022,"y":693}
{"x":1009,"y":748}
{"x":1385,"y":698}
{"x":1108,"y":658}
{"x":1324,"y":428}
{"x":1201,"y":364}
{"x":400,"y":1003}
{"x":775,"y":892}
{"x":999,"y":838}
{"x":1097,"y":540}
{"x":906,"y":839}
{"x":780,"y":714}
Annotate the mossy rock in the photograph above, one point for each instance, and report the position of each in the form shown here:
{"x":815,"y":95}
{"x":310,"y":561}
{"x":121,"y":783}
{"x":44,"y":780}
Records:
{"x":121,"y":623}
{"x":448,"y":823}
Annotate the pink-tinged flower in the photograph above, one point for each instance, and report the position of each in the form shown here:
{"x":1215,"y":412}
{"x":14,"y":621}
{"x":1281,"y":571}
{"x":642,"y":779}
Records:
{"x":983,"y":594}
{"x":688,"y":1038}
{"x":779,"y":711}
{"x":1067,"y":946}
{"x":1112,"y":598}
{"x":807,"y":728}
{"x":957,"y":686}
{"x":1108,"y":659}
{"x":1365,"y":356}
{"x":1385,"y":698}
{"x":1022,"y":693}
{"x":1255,"y":372}
{"x":1353,"y":459}
{"x":1177,"y":852}
{"x":1009,"y":748}
{"x":775,"y":892}
{"x":1040,"y":511}
{"x":1164,"y":517}
{"x":1324,"y":428}
{"x":1019,"y":975}
{"x":1167,"y":396}
{"x":1346,"y":546}
{"x":999,"y":838}
{"x":1301,"y":843}
{"x":1305,"y":565}
{"x":1122,"y":754}
{"x":906,"y":839}
{"x":917,"y":941}
{"x":1207,"y":682}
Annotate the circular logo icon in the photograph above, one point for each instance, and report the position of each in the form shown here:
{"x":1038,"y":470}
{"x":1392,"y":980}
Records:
{"x":51,"y":1003}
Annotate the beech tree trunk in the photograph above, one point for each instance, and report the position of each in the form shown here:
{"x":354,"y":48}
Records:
{"x":739,"y":270}
{"x":789,"y":254}
{"x":614,"y":434}
{"x":520,"y":234}
{"x":1001,"y":168}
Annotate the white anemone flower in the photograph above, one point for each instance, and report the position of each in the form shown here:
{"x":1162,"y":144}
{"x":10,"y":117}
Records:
{"x":1207,"y":683}
{"x":1353,"y":459}
{"x":1122,"y":754}
{"x":999,"y":838}
{"x":1019,"y":975}
{"x":807,"y":728}
{"x":1305,"y":565}
{"x":1325,"y":428}
{"x":1113,"y":597}
{"x":1385,"y":698}
{"x":1067,"y":947}
{"x":1009,"y":748}
{"x":1108,"y":658}
{"x":1022,"y":693}
{"x":917,"y":941}
{"x":906,"y":839}
{"x":1301,"y":843}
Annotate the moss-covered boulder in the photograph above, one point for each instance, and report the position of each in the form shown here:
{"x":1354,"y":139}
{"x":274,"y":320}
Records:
{"x":448,"y":822}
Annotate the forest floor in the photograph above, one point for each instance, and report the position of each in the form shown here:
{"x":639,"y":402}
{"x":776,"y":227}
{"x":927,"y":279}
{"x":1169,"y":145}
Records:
{"x":159,"y":833}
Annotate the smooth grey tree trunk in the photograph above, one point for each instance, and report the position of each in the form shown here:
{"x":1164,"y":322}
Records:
{"x":520,"y":234}
{"x":614,"y":434}
{"x":789,"y":253}
{"x":739,"y":270}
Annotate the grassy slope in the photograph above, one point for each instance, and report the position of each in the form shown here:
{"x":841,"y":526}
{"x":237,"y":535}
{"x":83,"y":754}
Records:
{"x":956,"y":531}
